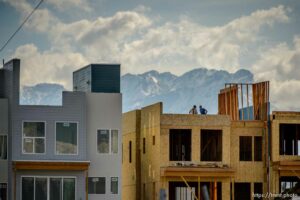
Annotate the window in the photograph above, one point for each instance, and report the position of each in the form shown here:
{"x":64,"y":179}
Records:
{"x":153,"y":140}
{"x":68,"y":189}
{"x":48,"y":188}
{"x":66,"y":137}
{"x":27,"y":188}
{"x":144,"y":145}
{"x":245,"y":148}
{"x":103,"y":141}
{"x":179,"y":190}
{"x":180,"y":144}
{"x":258,"y":189}
{"x":114,"y":185}
{"x":114,"y":141}
{"x":107,"y":141}
{"x":257,"y":148}
{"x":290,"y":185}
{"x":130,"y":151}
{"x":3,"y":191}
{"x":96,"y":185}
{"x":34,"y":137}
{"x":211,"y":145}
{"x":242,"y":191}
{"x":289,"y":139}
{"x":3,"y":147}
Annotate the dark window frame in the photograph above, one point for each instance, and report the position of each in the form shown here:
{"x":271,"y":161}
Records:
{"x":289,"y":137}
{"x":144,"y":145}
{"x":245,"y":148}
{"x":241,"y":189}
{"x":153,"y":140}
{"x":258,"y":190}
{"x":180,"y":144}
{"x":130,"y":151}
{"x":258,"y":148}
{"x":101,"y":190}
{"x":211,"y":148}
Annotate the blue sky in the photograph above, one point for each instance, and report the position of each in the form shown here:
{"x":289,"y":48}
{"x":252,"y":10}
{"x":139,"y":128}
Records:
{"x":170,"y":35}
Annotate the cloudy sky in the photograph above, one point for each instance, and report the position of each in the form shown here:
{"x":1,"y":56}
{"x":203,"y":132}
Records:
{"x":262,"y":36}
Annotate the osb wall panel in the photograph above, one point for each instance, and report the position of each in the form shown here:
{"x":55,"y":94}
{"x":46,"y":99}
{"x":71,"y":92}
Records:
{"x":150,"y":115}
{"x":275,"y":151}
{"x":129,"y":170}
{"x":150,"y":160}
{"x":274,"y":181}
{"x":195,"y":120}
{"x":129,"y":121}
{"x":130,"y":126}
{"x":128,"y":192}
{"x":196,"y":143}
{"x":247,"y":171}
{"x":285,"y":115}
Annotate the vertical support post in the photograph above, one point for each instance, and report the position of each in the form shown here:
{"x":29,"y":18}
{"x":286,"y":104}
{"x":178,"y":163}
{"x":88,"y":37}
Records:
{"x":230,"y":111}
{"x":215,"y":190}
{"x":248,"y":109}
{"x":226,"y":102}
{"x":232,"y":189}
{"x":269,"y":141}
{"x":242,"y":101}
{"x":199,"y":187}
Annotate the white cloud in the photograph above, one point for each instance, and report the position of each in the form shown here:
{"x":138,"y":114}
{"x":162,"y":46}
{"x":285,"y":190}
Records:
{"x":41,"y":20}
{"x":186,"y":43}
{"x":133,"y":39}
{"x":139,"y":44}
{"x":69,"y":4}
{"x":280,"y":65}
{"x":48,"y":66}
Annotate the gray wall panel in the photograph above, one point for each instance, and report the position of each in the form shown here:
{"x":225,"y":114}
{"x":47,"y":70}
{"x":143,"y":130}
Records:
{"x":73,"y":109}
{"x":3,"y":131}
{"x":104,"y":111}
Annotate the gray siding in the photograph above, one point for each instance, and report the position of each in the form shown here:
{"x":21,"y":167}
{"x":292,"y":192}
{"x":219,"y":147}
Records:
{"x":1,"y":83}
{"x":3,"y":116}
{"x":82,"y":79}
{"x":73,"y":109}
{"x":11,"y":91}
{"x":3,"y":131}
{"x":104,"y":112}
{"x":99,"y":78}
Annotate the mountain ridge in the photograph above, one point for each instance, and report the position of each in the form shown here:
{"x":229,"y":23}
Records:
{"x":177,"y":92}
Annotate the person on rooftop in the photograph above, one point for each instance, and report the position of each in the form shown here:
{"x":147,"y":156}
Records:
{"x":194,"y":110}
{"x":202,"y":110}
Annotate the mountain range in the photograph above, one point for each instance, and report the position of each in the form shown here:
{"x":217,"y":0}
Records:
{"x":178,"y":93}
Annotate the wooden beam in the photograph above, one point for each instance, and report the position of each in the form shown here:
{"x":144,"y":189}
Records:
{"x":40,"y":165}
{"x":186,"y":183}
{"x":195,"y":172}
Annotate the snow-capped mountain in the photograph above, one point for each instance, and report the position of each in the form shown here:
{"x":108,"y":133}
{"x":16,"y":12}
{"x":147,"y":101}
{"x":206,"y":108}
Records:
{"x":178,"y":93}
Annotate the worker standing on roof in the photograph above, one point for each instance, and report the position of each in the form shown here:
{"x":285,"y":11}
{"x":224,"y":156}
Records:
{"x":202,"y":110}
{"x":194,"y":110}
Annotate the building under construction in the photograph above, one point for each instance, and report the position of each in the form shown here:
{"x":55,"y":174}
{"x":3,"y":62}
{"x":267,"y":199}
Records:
{"x":240,"y":153}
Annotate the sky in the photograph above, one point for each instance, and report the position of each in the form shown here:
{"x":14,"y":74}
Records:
{"x":262,"y":36}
